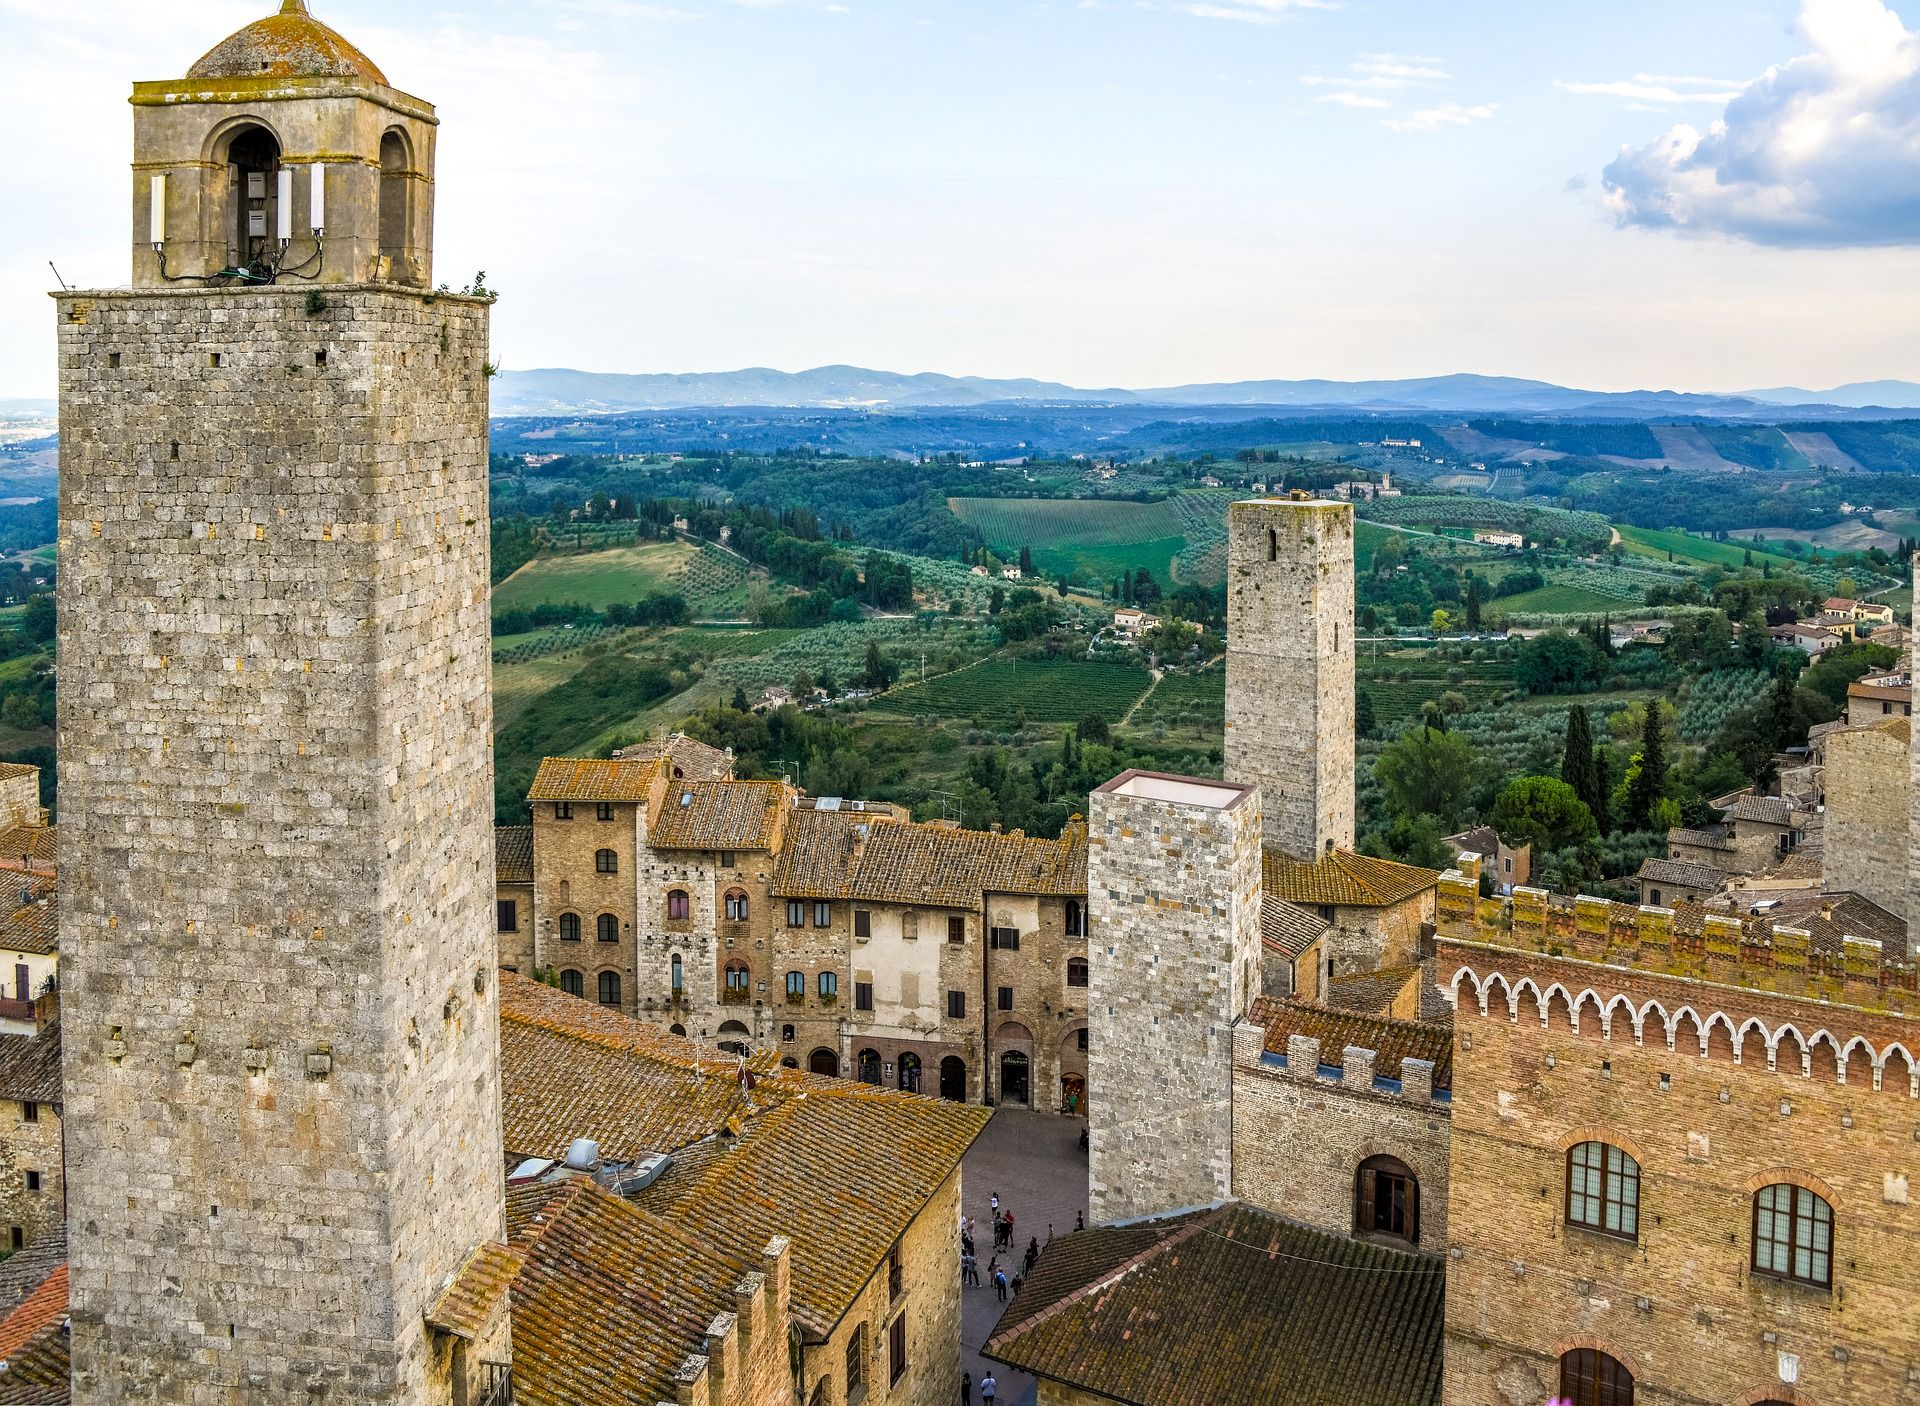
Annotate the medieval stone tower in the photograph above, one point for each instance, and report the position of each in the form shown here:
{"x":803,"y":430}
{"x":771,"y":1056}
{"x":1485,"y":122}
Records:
{"x":1290,"y":662}
{"x":1173,"y":892}
{"x":283,"y":1099}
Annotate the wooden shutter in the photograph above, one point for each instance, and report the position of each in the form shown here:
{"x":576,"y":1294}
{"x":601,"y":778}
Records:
{"x":1364,"y":1212}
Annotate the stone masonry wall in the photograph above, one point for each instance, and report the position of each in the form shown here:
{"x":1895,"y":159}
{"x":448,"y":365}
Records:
{"x":277,"y":887}
{"x":30,"y":1152}
{"x":1867,"y":799}
{"x":1290,"y":663}
{"x":1913,"y":797}
{"x":1175,"y":904}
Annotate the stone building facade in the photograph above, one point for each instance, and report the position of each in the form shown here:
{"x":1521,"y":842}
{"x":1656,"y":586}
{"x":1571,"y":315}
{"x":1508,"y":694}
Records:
{"x":1173,"y":873}
{"x":1290,"y":663}
{"x":33,"y":1191}
{"x":1684,"y":1157}
{"x":1866,"y":844}
{"x":276,"y":905}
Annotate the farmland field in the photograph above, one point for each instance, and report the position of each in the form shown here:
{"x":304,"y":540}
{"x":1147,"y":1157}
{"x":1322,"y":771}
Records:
{"x":1187,"y":700}
{"x":1556,"y":600}
{"x":1183,"y":536}
{"x":1001,"y":691}
{"x":1646,"y":542}
{"x":1399,"y":684}
{"x":596,"y":579}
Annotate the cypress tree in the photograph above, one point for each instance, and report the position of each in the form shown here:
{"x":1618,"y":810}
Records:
{"x":1651,"y":783}
{"x":1576,"y":760}
{"x":1603,"y":791}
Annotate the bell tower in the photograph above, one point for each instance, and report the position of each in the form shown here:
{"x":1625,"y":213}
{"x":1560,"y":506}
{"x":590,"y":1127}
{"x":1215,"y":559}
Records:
{"x":282,"y":1026}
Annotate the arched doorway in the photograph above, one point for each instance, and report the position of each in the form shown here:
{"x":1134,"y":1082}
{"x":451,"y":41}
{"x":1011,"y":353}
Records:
{"x":1386,"y":1200}
{"x":734,"y":1037}
{"x":1592,"y":1378}
{"x":910,"y":1072}
{"x":1016,"y":1078}
{"x":869,"y":1064}
{"x":396,"y":199}
{"x":824,"y":1062}
{"x":953,"y":1079}
{"x":1073,"y":1095}
{"x":253,"y":165}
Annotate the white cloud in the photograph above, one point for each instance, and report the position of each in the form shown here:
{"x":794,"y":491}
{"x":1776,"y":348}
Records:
{"x":1383,"y":72}
{"x":1434,"y":119}
{"x":1255,"y":11}
{"x":1346,"y":98}
{"x":1650,"y":88}
{"x":1823,"y":151}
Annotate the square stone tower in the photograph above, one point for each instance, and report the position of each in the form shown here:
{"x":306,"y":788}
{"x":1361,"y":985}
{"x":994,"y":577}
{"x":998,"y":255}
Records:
{"x":1173,"y":894}
{"x":1290,"y":661}
{"x":281,"y":1020}
{"x":1913,"y":792}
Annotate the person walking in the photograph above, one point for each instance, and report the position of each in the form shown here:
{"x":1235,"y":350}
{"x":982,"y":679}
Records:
{"x":966,"y":1243}
{"x":1033,"y":1253}
{"x":989,"y":1389}
{"x":1000,"y":1285}
{"x":1007,"y":1225}
{"x":966,"y":1388}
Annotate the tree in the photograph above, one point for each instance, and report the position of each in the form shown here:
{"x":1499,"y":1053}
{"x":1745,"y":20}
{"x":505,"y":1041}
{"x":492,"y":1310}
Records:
{"x":1558,"y":662}
{"x":1602,"y":805}
{"x":803,"y":686}
{"x":38,"y":622}
{"x":1026,"y":561}
{"x":1544,"y":813}
{"x":1364,"y":724}
{"x":879,"y":673}
{"x":1473,"y":604}
{"x":1425,"y":772}
{"x":1441,"y":622}
{"x":997,"y":601}
{"x":1647,"y":783}
{"x":1093,"y":728}
{"x":1578,"y":767}
{"x":739,"y":704}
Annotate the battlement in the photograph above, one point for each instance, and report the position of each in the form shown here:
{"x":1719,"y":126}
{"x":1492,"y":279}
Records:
{"x":1360,"y":1070}
{"x":1754,"y":954}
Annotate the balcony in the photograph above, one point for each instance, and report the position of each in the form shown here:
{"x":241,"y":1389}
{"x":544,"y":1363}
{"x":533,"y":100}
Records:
{"x":11,"y":1008}
{"x":497,"y":1387}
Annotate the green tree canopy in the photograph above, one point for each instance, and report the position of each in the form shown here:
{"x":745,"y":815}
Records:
{"x":1425,"y":772}
{"x":1544,"y":813}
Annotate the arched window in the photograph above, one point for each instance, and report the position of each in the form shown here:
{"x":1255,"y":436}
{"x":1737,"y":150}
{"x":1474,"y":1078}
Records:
{"x":679,"y":906}
{"x":609,"y":988}
{"x":395,"y":196}
{"x":1386,"y":1200}
{"x":1793,"y":1235}
{"x":796,"y":986}
{"x":605,"y":861}
{"x":573,"y":983}
{"x":253,"y":163}
{"x":679,"y":976}
{"x":1603,"y":1190}
{"x":737,"y":906}
{"x":679,"y":1030}
{"x":1590,"y":1378}
{"x":606,"y":927}
{"x":739,"y":979}
{"x":829,"y":985}
{"x":569,"y":927}
{"x":870,"y":1066}
{"x":1076,"y":971}
{"x":909,"y":1067}
{"x":1076,"y":918}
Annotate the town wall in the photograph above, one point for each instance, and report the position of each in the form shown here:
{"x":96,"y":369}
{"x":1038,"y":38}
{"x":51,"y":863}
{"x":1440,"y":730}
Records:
{"x":276,"y":851}
{"x":1866,"y":848}
{"x":1290,"y":668}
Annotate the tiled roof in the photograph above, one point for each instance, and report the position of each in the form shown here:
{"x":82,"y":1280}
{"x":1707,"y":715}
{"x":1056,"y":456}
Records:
{"x":30,"y":1067}
{"x":609,"y":1300}
{"x":1284,"y":927}
{"x":33,"y":1307}
{"x":1681,"y":872}
{"x":1390,"y":1040}
{"x":1229,"y":1304}
{"x":839,"y":1167}
{"x":37,"y":845}
{"x":1482,"y":840}
{"x":1370,"y":993}
{"x":1699,"y":839}
{"x":513,"y":854}
{"x":1799,"y":865}
{"x":32,"y":927}
{"x":721,"y":815}
{"x":1762,"y":810}
{"x":576,"y":779}
{"x":44,"y":1305}
{"x":692,"y":761}
{"x":1830,"y":917}
{"x":1345,"y":880}
{"x":468,"y":1304}
{"x":13,"y":771}
{"x":837,"y":854}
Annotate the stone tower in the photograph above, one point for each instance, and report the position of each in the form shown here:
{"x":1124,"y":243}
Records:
{"x":1913,"y":792}
{"x":1290,"y":661}
{"x":1173,"y":893}
{"x":282,"y":1030}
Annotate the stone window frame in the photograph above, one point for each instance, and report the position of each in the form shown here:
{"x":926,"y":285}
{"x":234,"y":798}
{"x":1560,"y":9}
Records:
{"x":29,"y":1111}
{"x":607,"y":989}
{"x":796,"y":986}
{"x":737,"y":905}
{"x":862,"y":995}
{"x":606,"y":861}
{"x":1077,"y":966}
{"x":679,"y":906}
{"x":737,"y":976}
{"x":796,"y":913}
{"x":506,"y":915}
{"x":822,"y":914}
{"x":863,"y":922}
{"x":1366,"y":1198}
{"x":573,"y":982}
{"x":563,"y":810}
{"x":956,"y":1005}
{"x":1076,"y":918}
{"x":678,"y":970}
{"x":829,"y":985}
{"x":603,"y":811}
{"x":1003,"y":998}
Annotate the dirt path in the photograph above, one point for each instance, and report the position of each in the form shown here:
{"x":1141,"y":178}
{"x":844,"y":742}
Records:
{"x":1158,"y":675}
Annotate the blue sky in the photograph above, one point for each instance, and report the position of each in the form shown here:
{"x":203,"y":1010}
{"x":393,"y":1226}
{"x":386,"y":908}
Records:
{"x":1103,"y":193}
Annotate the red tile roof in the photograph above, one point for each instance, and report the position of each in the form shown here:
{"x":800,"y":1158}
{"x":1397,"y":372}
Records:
{"x":1342,"y":879}
{"x":576,"y":779}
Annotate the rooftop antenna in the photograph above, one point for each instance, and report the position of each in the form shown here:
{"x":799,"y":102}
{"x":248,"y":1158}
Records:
{"x":65,"y":287}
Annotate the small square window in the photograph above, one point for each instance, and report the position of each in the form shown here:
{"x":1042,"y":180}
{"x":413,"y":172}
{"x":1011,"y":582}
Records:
{"x":1080,"y":1039}
{"x":213,"y":360}
{"x":29,"y":1112}
{"x":729,"y":860}
{"x":862,"y":923}
{"x":603,"y":810}
{"x":320,"y":358}
{"x":956,"y":930}
{"x":863,"y":995}
{"x":1006,"y":998}
{"x":563,"y":810}
{"x":113,"y":361}
{"x":786,"y":1034}
{"x":33,"y":1181}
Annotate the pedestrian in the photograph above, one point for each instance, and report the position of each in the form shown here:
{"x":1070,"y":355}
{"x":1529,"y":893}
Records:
{"x":994,"y":1201}
{"x":966,"y":1388}
{"x":1017,"y":1280}
{"x":966,"y":1244}
{"x":1079,"y":1220}
{"x":1007,"y":1224}
{"x":989,"y":1388}
{"x":1033,"y":1253}
{"x":1000,"y":1285}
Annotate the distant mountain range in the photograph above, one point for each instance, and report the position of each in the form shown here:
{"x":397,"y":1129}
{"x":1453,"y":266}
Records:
{"x":564,"y":392}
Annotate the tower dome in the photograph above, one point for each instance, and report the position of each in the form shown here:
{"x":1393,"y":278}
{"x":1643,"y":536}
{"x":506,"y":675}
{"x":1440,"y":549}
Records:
{"x":291,"y":44}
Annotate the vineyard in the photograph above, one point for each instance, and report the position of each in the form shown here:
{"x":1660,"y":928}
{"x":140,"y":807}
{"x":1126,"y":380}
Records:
{"x":713,"y":579}
{"x":538,"y":644}
{"x":1714,"y":698}
{"x":596,"y":579}
{"x":1437,"y":511}
{"x":1186,"y":700}
{"x":1203,"y":522}
{"x":1400,"y":685}
{"x":1003,"y":691}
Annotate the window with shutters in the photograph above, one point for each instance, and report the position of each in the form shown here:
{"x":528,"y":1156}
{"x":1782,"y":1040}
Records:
{"x":863,"y":995}
{"x":796,"y":914}
{"x":862,"y":923}
{"x":1603,"y":1190}
{"x":829,"y":983}
{"x":507,"y":915}
{"x":739,"y":980}
{"x":823,"y":915}
{"x":956,"y":1005}
{"x":679,"y":906}
{"x":1386,"y":1200}
{"x":796,"y":986}
{"x":1076,"y":971}
{"x":856,"y":1361}
{"x":1004,"y":939}
{"x":1793,"y":1235}
{"x":738,"y":906}
{"x":897,"y":1350}
{"x":1590,"y":1378}
{"x":1006,"y":998}
{"x":956,"y":930}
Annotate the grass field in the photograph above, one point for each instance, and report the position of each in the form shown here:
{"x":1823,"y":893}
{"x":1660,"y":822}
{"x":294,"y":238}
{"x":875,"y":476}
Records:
{"x":596,"y":579}
{"x":1097,"y":537}
{"x":1647,"y":542}
{"x":1002,"y":691}
{"x":1556,"y":600}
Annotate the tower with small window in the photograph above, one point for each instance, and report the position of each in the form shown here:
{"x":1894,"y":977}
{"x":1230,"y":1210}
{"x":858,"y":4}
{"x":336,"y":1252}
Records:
{"x":1290,"y":663}
{"x":276,"y":893}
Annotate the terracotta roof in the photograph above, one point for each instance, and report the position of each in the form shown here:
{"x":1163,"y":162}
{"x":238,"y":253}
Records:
{"x":583,"y":779}
{"x":1762,"y":810}
{"x":1390,"y":1040}
{"x":290,"y":44}
{"x":38,"y":845}
{"x":609,"y":1301}
{"x":692,"y":760}
{"x":33,"y":1338}
{"x":721,"y":815}
{"x":1681,"y":872}
{"x":30,"y":1067}
{"x":838,"y":1166}
{"x":1482,"y":840}
{"x":840,"y":854}
{"x":513,"y":854}
{"x":1229,"y":1304}
{"x":1343,"y":879}
{"x":1699,"y":839}
{"x":1370,"y":993}
{"x":468,"y":1304}
{"x":13,"y":771}
{"x":1799,"y":865}
{"x":1830,"y":917}
{"x":39,"y":1375}
{"x":31,"y":925}
{"x":1287,"y":928}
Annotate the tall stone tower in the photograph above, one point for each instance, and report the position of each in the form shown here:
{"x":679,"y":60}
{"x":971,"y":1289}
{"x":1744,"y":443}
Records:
{"x":1913,"y":793}
{"x":1290,"y":660}
{"x":1173,"y":891}
{"x":282,"y":1030}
